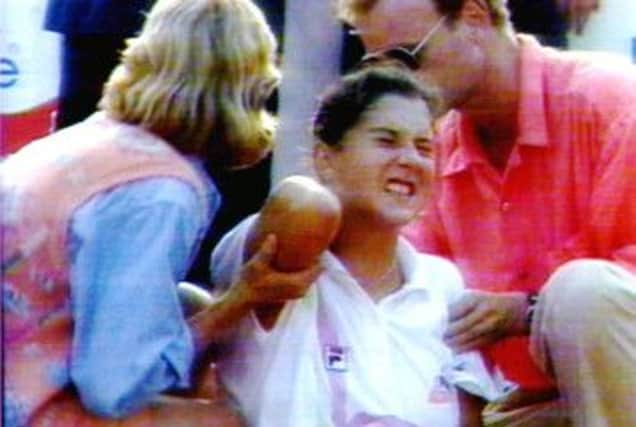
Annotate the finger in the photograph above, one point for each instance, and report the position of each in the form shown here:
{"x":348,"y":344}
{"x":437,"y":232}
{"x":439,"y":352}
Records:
{"x":484,"y":330}
{"x":461,"y":325}
{"x":298,"y":283}
{"x":302,"y":278}
{"x":267,"y":250}
{"x":510,"y":401}
{"x":279,"y":294}
{"x":309,"y":274}
{"x":524,"y":397}
{"x":462,"y":307}
{"x":474,"y":342}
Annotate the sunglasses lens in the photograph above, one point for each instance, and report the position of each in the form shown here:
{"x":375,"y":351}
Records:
{"x":395,"y":56}
{"x":403,"y":56}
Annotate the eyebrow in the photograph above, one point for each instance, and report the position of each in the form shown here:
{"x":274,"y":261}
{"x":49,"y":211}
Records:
{"x":384,"y":129}
{"x":428,"y":137}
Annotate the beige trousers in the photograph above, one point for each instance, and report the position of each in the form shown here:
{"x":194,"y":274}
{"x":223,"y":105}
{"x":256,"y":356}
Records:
{"x":584,"y":335}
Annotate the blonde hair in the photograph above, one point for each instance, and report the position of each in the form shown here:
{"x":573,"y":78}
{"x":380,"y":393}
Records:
{"x":352,"y":10}
{"x":198,"y":75}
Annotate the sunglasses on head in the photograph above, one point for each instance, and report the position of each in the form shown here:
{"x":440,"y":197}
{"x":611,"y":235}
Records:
{"x":400,"y":55}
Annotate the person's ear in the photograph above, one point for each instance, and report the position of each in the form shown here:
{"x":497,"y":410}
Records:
{"x":322,"y":162}
{"x":476,"y":12}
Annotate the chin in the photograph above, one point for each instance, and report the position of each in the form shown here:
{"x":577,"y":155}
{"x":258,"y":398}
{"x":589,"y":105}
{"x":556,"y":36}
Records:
{"x":399,"y":217}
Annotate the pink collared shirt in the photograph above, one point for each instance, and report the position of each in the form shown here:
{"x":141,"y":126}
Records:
{"x":568,"y":191}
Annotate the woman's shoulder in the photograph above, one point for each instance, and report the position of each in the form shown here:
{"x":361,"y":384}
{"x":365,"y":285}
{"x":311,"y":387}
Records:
{"x":432,"y":271}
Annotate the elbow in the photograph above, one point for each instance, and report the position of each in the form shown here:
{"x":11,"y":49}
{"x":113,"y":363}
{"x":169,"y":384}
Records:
{"x":104,"y":407}
{"x":105,"y":401}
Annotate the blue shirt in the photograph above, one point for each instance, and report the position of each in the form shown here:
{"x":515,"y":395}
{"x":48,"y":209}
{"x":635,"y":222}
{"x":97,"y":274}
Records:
{"x":129,"y":247}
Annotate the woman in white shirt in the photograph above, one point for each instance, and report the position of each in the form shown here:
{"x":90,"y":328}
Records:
{"x":363,"y":346}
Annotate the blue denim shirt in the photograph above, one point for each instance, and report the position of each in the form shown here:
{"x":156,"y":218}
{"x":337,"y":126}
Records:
{"x":129,"y":248}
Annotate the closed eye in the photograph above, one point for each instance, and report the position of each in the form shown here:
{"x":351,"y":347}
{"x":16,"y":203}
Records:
{"x":424,"y":147}
{"x":386,"y":140}
{"x":385,"y":136}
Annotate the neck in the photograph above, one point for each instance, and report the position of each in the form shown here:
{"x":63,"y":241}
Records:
{"x":369,"y":254}
{"x":494,"y":109}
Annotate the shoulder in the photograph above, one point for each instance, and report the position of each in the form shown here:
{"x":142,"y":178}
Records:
{"x":227,"y":257}
{"x":155,"y":201}
{"x":603,"y":82}
{"x":431,"y":271}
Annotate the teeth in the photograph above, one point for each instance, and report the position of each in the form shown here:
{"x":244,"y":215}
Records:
{"x":400,"y":188}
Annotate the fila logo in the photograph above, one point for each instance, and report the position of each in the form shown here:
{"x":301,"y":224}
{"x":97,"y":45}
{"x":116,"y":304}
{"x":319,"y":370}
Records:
{"x":336,"y":358}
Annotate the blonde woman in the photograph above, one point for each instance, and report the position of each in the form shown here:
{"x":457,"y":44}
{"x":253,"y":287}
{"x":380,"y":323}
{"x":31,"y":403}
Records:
{"x":101,"y":220}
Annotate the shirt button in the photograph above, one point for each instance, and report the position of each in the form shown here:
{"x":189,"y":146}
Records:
{"x":505,"y":206}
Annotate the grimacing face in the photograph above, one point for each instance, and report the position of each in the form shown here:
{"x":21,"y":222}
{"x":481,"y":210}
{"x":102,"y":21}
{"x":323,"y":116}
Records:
{"x":383,"y":167}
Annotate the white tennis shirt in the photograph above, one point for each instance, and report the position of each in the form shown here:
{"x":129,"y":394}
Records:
{"x":337,"y":358}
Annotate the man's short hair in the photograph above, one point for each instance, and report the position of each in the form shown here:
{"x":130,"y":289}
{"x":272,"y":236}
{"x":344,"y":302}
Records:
{"x":352,"y":10}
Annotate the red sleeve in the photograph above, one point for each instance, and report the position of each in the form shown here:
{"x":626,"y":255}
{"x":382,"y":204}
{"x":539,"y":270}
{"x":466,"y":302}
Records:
{"x":609,"y":231}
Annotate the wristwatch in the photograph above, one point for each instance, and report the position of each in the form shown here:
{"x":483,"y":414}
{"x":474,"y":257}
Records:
{"x":531,"y":305}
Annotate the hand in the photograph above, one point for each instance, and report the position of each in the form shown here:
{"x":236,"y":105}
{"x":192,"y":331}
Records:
{"x":171,"y":411}
{"x":522,"y":398}
{"x":260,"y":283}
{"x":481,"y":318}
{"x":260,"y":288}
{"x":578,"y":12}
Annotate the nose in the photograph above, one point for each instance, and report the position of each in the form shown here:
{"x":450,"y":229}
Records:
{"x":410,"y":156}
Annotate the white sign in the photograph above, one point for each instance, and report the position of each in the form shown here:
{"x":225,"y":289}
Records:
{"x":29,"y":57}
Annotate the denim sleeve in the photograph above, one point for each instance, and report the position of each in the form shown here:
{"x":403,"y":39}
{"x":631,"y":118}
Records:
{"x":128,"y":248}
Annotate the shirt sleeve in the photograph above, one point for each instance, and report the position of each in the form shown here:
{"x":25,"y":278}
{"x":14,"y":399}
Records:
{"x":128,"y":249}
{"x":613,"y":199}
{"x":227,"y":257}
{"x":609,"y":228}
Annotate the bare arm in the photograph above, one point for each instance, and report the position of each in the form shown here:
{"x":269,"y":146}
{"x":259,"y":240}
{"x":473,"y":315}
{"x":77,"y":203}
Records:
{"x":305,"y":217}
{"x":297,"y":223}
{"x":258,"y":284}
{"x":470,"y":409}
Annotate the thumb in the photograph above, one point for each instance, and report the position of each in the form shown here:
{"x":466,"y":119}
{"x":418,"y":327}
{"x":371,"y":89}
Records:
{"x":267,"y":250}
{"x":207,"y":385}
{"x":462,"y":306}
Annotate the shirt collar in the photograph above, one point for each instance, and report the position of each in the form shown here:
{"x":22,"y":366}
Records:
{"x":414,"y":272}
{"x":531,"y":118}
{"x":408,"y":260}
{"x":533,"y":128}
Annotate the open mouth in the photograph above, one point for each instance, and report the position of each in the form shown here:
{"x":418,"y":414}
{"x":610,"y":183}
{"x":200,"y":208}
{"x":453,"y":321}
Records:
{"x":400,"y":187}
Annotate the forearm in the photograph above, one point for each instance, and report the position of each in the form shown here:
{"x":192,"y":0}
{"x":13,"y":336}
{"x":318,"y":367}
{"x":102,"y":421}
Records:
{"x":217,"y":322}
{"x":470,"y":409}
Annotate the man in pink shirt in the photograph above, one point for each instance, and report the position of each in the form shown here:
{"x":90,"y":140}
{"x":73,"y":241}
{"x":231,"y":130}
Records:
{"x":535,"y":199}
